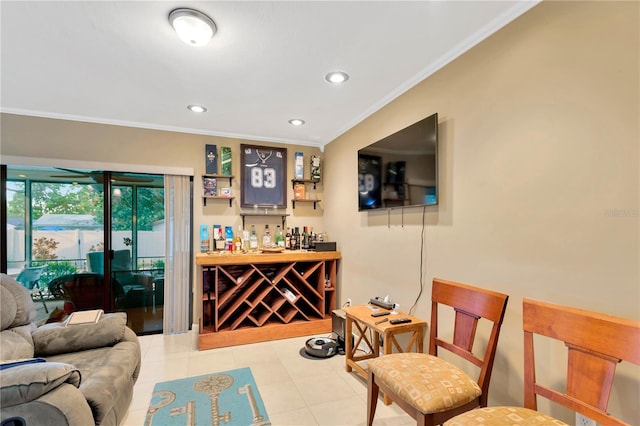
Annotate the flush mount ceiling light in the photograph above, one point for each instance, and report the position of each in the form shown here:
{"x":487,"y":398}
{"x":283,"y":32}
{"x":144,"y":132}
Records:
{"x":193,"y":27}
{"x":296,"y":122}
{"x":337,"y":77}
{"x":196,"y":108}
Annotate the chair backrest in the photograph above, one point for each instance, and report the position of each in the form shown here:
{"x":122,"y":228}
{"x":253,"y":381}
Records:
{"x":470,"y":304}
{"x":28,"y":276}
{"x":120,"y":265}
{"x":95,"y":259}
{"x":596,"y":343}
{"x":121,"y":261}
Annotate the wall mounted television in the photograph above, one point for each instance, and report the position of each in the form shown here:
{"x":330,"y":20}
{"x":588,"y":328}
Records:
{"x":400,"y":170}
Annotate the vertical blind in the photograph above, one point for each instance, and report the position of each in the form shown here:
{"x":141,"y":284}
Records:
{"x":178,"y":253}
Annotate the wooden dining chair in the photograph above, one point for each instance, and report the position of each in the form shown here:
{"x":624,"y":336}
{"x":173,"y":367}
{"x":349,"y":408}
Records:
{"x":595,"y":343}
{"x":429,"y":388}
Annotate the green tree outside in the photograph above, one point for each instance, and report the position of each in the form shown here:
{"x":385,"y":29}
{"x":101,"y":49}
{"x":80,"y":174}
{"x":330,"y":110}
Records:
{"x":59,"y":198}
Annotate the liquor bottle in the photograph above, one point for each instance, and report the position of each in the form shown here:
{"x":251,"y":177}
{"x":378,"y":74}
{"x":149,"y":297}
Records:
{"x":296,"y":238}
{"x":253,"y":239}
{"x":287,"y":239}
{"x":312,"y":239}
{"x":279,"y":237}
{"x":245,"y":240}
{"x":237,"y":241}
{"x":266,"y":237}
{"x":220,"y":240}
{"x":304,"y":243}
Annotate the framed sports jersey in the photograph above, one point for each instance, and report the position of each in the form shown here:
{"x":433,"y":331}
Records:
{"x":264,"y":176}
{"x":369,"y":182}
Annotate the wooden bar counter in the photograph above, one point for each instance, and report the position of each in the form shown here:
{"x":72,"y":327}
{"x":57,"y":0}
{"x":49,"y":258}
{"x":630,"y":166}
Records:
{"x":255,"y":297}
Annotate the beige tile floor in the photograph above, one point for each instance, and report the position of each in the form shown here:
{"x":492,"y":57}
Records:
{"x":296,"y":390}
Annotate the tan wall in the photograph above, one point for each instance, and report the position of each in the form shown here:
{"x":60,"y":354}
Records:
{"x":538,"y":177}
{"x":539,"y":181}
{"x":24,"y":136}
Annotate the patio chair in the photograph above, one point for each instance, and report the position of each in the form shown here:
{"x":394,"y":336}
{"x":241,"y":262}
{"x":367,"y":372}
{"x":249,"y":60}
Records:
{"x":29,"y":278}
{"x":131,"y":288}
{"x":80,"y":291}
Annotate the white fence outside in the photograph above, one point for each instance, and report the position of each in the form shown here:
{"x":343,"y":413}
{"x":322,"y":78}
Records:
{"x":74,"y":244}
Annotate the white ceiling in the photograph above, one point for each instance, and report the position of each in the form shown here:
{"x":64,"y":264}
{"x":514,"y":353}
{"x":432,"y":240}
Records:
{"x":119,"y":62}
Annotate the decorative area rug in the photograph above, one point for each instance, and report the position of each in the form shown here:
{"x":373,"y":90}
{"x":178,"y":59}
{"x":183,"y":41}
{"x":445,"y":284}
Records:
{"x":228,"y":398}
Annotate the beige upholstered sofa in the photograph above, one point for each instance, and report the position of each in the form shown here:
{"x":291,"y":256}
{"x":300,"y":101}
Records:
{"x":75,"y":375}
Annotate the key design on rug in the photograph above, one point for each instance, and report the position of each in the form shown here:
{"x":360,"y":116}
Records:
{"x":214,"y":385}
{"x":224,"y":398}
{"x":258,"y":418}
{"x":167,"y":397}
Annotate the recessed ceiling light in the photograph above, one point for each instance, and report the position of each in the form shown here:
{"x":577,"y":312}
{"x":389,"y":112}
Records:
{"x":296,"y":122}
{"x":193,"y":27}
{"x":196,"y":108}
{"x":337,"y":77}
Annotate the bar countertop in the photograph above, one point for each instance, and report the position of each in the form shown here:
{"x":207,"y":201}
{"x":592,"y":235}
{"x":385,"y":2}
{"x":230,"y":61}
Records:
{"x":228,"y":258}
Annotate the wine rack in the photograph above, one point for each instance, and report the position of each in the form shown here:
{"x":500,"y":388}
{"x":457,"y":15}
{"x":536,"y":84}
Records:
{"x":257,"y":297}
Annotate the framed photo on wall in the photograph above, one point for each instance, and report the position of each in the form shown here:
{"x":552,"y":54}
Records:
{"x":264,"y":176}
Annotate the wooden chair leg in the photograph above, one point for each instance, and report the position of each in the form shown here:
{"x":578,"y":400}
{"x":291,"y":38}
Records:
{"x":372,"y":398}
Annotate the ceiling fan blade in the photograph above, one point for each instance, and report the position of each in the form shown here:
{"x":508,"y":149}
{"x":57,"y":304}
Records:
{"x":75,"y":172}
{"x":70,"y":176}
{"x":130,"y":179}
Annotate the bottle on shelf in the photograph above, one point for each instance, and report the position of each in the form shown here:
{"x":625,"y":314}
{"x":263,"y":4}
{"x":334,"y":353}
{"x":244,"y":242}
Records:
{"x":304,"y":239}
{"x":237,"y":241}
{"x":279,"y":237}
{"x":312,"y":239}
{"x":220,"y":240}
{"x":266,"y":237}
{"x":287,"y":239}
{"x":295,"y":239}
{"x":253,"y":239}
{"x":245,"y":240}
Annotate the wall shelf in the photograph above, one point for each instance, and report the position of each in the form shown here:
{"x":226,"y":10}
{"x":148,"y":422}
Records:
{"x":220,"y":177}
{"x":265,"y":214}
{"x":302,"y":195}
{"x":313,"y":181}
{"x":293,"y":202}
{"x":215,"y":197}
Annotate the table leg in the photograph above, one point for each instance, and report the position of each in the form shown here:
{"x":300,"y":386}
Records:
{"x":348,"y":343}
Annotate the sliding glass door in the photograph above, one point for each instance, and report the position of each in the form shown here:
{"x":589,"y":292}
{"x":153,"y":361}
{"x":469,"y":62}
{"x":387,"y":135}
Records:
{"x":137,"y":241}
{"x":57,"y":228}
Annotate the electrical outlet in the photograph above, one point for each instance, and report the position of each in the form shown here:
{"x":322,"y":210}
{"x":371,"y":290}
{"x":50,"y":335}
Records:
{"x":348,"y":302}
{"x":584,"y":421}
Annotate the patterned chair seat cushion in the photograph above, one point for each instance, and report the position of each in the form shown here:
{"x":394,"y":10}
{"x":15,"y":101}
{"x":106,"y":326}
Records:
{"x":503,"y":416}
{"x":428,"y":383}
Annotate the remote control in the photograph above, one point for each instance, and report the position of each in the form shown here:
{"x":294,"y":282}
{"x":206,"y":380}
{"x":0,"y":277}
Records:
{"x":379,"y":314}
{"x":399,"y":320}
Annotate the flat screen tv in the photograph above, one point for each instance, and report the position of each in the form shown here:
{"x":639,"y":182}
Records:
{"x":400,"y":170}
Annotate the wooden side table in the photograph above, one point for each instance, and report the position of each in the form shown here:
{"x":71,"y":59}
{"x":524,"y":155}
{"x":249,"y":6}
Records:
{"x":360,"y":318}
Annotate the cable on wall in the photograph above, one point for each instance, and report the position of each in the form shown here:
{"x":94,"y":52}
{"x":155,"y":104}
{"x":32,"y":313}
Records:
{"x":422,"y":256}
